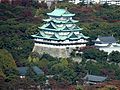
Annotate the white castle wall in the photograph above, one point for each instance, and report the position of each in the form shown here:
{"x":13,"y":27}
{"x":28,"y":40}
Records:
{"x":110,"y":49}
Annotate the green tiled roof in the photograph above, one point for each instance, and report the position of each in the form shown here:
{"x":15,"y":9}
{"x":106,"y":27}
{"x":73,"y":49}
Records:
{"x":35,"y":36}
{"x":54,"y":36}
{"x":51,"y":26}
{"x":73,"y":36}
{"x":60,"y":12}
{"x":57,"y":37}
{"x":43,"y":26}
{"x":42,"y":33}
{"x":77,"y":28}
{"x":66,"y":28}
{"x":82,"y":36}
{"x":74,"y":21}
{"x":60,"y":21}
{"x":39,"y":34}
{"x":50,"y":30}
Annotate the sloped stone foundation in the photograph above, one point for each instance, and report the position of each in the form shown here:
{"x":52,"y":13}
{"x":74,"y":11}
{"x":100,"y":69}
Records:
{"x":55,"y":52}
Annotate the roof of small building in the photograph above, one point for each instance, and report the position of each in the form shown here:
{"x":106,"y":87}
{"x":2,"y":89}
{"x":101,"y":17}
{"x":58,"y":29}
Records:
{"x":95,"y":78}
{"x":106,"y":39}
{"x":37,"y":70}
{"x":23,"y":70}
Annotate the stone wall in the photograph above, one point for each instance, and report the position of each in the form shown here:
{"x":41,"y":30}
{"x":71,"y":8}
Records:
{"x":55,"y":52}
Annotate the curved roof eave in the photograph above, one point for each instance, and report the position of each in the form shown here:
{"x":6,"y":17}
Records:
{"x":70,"y":15}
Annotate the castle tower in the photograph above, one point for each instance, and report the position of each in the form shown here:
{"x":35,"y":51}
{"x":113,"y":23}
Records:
{"x":59,"y":35}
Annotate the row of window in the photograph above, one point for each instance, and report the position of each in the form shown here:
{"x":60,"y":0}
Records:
{"x":110,"y":2}
{"x":61,"y":33}
{"x":61,"y":18}
{"x":59,"y":44}
{"x":117,"y":2}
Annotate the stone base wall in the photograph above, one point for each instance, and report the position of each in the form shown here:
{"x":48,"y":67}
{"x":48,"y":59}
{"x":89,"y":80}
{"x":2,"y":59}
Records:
{"x":55,"y":52}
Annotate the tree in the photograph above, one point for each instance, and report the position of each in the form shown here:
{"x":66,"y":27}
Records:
{"x":105,"y":5}
{"x":41,"y":79}
{"x":30,"y":72}
{"x":91,"y":3}
{"x":82,"y":3}
{"x":114,"y":56}
{"x":79,"y":87}
{"x":73,"y":53}
{"x":10,"y":74}
{"x":14,"y":39}
{"x":93,"y":68}
{"x":41,"y":12}
{"x":95,"y":54}
{"x":69,"y":75}
{"x":43,"y":64}
{"x":1,"y":73}
{"x":79,"y":69}
{"x":66,"y":76}
{"x":34,"y":60}
{"x":7,"y":65}
{"x":64,"y":61}
{"x":6,"y":60}
{"x":57,"y":68}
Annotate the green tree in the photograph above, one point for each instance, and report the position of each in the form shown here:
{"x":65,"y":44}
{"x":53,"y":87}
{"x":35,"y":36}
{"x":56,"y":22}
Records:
{"x":64,"y":61}
{"x":93,"y":68}
{"x":43,"y":63}
{"x":82,"y":3}
{"x":73,"y":53}
{"x":10,"y":74}
{"x":105,"y":5}
{"x":95,"y":54}
{"x":1,"y":73}
{"x":7,"y":65}
{"x":6,"y":60}
{"x":34,"y":60}
{"x":79,"y":87}
{"x":30,"y":73}
{"x":114,"y":56}
{"x":69,"y":75}
{"x":57,"y":68}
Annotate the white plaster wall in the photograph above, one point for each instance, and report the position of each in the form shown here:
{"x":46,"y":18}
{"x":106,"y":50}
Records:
{"x":109,"y":50}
